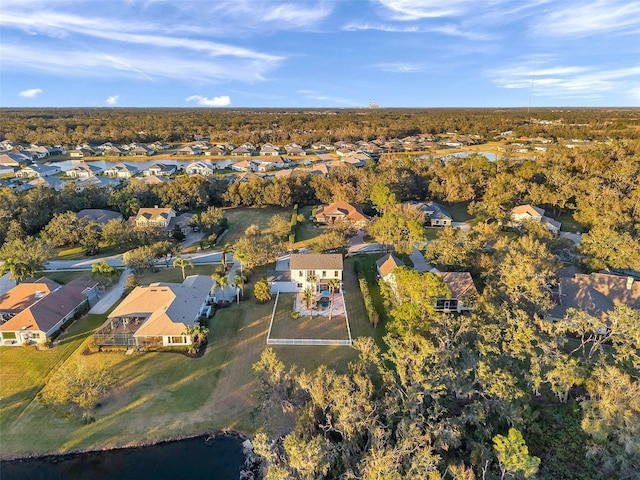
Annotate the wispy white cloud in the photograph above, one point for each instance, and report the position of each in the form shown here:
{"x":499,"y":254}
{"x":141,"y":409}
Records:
{"x":326,"y":99}
{"x":112,"y":100}
{"x":419,"y":9}
{"x":30,"y":93}
{"x":399,"y":67}
{"x":584,"y":18}
{"x":221,"y":101}
{"x":450,"y":29}
{"x":132,"y":64}
{"x":281,"y":15}
{"x":542,"y":79}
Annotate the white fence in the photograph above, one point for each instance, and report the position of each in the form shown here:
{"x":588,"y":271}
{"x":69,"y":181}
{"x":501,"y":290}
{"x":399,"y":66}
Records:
{"x":307,"y":341}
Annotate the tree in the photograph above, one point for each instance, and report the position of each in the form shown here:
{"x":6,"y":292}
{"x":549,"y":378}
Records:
{"x":382,"y":197}
{"x":177,"y":234}
{"x":90,"y":238}
{"x":240,"y":281}
{"x":401,"y":226}
{"x":182,"y":263}
{"x":279,"y":226}
{"x":513,"y":455}
{"x":252,"y":231}
{"x":24,"y":257}
{"x":606,"y":248}
{"x":258,"y":250}
{"x":226,"y":250}
{"x":262,"y":291}
{"x":331,"y":240}
{"x":198,"y":334}
{"x":64,"y":229}
{"x":78,"y":385}
{"x":308,"y":295}
{"x":612,"y":419}
{"x":130,"y":283}
{"x":221,"y":281}
{"x":104,"y":269}
{"x":209,"y":219}
{"x":139,"y":259}
{"x":333,"y":285}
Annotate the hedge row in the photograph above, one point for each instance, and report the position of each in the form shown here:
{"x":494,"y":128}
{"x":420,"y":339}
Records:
{"x":374,"y":318}
{"x":294,"y":222}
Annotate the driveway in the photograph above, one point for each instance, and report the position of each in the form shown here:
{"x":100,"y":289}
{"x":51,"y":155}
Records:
{"x":464,"y":226}
{"x":357,"y":244}
{"x":112,"y":296}
{"x":419,"y":263}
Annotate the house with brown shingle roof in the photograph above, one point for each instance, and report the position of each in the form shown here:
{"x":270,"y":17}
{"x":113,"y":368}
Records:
{"x":596,"y":294}
{"x":315,"y":270}
{"x":523,"y":213}
{"x":386,"y":265}
{"x":341,"y":212}
{"x":158,"y":315}
{"x":463,"y":292}
{"x":24,"y":295}
{"x":46,"y":315}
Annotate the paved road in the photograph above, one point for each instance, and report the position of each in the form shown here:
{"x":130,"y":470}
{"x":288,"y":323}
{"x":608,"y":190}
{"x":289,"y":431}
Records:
{"x":357,"y":244}
{"x":419,"y":263}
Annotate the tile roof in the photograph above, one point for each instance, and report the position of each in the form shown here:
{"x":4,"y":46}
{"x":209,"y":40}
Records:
{"x":387,"y":264}
{"x":460,"y":283}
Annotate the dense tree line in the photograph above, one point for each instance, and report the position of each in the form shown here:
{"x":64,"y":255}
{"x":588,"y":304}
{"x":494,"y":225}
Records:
{"x":282,"y":126}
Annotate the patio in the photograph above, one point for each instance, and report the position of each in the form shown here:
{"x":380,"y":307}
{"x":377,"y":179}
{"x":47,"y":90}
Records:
{"x":320,"y":305}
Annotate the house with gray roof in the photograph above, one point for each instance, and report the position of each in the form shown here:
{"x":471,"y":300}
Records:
{"x":435,"y":214}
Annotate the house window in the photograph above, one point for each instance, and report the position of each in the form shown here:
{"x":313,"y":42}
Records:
{"x":299,"y":286}
{"x":335,"y":274}
{"x":177,"y":340}
{"x":324,"y":274}
{"x":300,"y":273}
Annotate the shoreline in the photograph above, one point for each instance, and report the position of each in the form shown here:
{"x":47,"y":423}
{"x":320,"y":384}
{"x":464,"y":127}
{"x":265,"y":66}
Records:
{"x":50,"y":455}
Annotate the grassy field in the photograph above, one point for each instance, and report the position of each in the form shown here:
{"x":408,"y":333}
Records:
{"x":173,"y":275}
{"x":319,"y":327}
{"x":77,"y":253}
{"x":241,"y":217}
{"x":158,"y":395}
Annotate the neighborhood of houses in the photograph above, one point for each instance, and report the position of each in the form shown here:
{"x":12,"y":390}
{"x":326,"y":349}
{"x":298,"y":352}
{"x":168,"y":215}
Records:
{"x":24,"y":166}
{"x":161,"y":314}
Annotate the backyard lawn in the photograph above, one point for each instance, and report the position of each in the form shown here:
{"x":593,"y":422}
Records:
{"x":159,"y":395}
{"x":313,"y":327}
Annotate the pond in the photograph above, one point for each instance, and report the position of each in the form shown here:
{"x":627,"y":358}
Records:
{"x":194,"y":458}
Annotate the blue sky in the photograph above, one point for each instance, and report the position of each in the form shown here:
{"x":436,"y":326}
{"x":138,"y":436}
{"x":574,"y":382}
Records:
{"x":341,"y":53}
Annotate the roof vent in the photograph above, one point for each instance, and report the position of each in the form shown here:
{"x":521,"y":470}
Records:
{"x":39,"y":294}
{"x":629,"y":283}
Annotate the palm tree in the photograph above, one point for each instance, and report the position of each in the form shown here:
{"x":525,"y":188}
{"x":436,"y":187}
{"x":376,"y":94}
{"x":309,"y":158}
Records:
{"x":18,"y":270}
{"x":333,"y":285}
{"x":307,"y":295}
{"x":241,"y":257}
{"x":225,"y":251}
{"x":222,"y":281}
{"x":105,"y":270}
{"x":182,"y":263}
{"x":312,"y":279}
{"x":241,"y":281}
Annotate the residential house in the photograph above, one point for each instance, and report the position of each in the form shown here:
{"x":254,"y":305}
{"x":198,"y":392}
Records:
{"x":84,"y":152}
{"x":141,"y":151}
{"x":46,"y":315}
{"x":83,"y":170}
{"x":120,"y":170}
{"x":158,"y":315}
{"x":435,"y":214}
{"x":385,"y":267}
{"x":200,"y":168}
{"x":164,"y":218}
{"x":10,"y":171}
{"x":262,"y":165}
{"x":45,"y":182}
{"x":523,"y":213}
{"x":216,"y":151}
{"x":37,"y":151}
{"x":160,"y":170}
{"x":341,"y":212}
{"x":241,"y":152}
{"x":11,"y":160}
{"x":356,"y":159}
{"x":463,"y":292}
{"x":269,"y":150}
{"x":112,"y":150}
{"x":94,"y":181}
{"x":243,"y":166}
{"x":38,"y":170}
{"x":189,"y":150}
{"x":24,"y":295}
{"x":99,"y":215}
{"x":295,"y":150}
{"x":596,"y":294}
{"x":315,"y":270}
{"x":152,"y":180}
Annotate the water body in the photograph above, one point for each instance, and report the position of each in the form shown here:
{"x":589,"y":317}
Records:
{"x":490,"y":156}
{"x":196,"y":458}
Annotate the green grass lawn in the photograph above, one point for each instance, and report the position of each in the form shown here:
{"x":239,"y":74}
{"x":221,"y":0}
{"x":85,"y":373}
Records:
{"x":318,"y":327}
{"x":159,"y":395}
{"x":77,"y":253}
{"x":241,"y":217}
{"x":569,"y":224}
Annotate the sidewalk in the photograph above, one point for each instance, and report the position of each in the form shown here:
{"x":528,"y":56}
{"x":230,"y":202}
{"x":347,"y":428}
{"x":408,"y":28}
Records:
{"x":112,"y":296}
